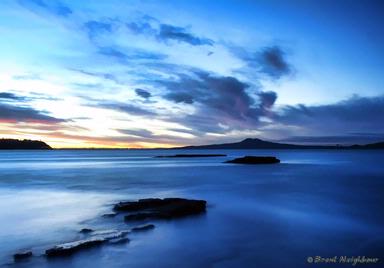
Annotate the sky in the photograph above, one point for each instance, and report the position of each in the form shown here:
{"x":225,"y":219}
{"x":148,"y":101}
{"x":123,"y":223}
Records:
{"x":144,"y":74}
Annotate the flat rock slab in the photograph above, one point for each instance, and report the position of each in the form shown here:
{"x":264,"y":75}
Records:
{"x":189,"y":155}
{"x":156,"y":208}
{"x":75,"y":246}
{"x":254,"y":160}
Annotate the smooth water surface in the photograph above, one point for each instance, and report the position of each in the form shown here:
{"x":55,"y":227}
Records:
{"x":315,"y":203}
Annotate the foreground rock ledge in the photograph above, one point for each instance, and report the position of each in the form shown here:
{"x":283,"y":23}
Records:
{"x":156,"y":208}
{"x":97,"y":239}
{"x":254,"y":160}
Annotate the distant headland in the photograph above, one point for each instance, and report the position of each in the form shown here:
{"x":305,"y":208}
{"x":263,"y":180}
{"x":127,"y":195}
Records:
{"x":14,"y":144}
{"x":261,"y":144}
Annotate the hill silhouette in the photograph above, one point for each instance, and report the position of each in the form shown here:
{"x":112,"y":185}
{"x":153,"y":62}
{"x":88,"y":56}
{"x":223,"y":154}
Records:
{"x":14,"y":144}
{"x":261,"y":144}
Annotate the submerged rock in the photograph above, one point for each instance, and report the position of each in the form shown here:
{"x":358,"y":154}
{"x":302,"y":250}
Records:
{"x":99,"y":238}
{"x":254,"y":160}
{"x":22,"y":255}
{"x":157,"y":208}
{"x":86,"y":231}
{"x":143,"y":227}
{"x":190,"y":155}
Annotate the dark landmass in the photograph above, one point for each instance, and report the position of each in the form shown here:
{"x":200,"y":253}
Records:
{"x":260,"y":144}
{"x":254,"y":160}
{"x":13,"y":144}
{"x":156,"y":208}
{"x":189,"y":155}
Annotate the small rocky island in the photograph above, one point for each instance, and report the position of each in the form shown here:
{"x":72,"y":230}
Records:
{"x":254,"y":160}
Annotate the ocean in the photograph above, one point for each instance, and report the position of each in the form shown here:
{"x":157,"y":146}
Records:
{"x":315,"y":203}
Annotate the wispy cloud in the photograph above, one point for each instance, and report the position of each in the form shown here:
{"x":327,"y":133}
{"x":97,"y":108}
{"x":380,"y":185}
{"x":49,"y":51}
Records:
{"x":12,"y":113}
{"x":53,"y":6}
{"x":166,"y":32}
{"x":143,"y":93}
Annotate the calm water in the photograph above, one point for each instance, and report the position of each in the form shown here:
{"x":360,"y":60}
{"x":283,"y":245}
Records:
{"x":315,"y":203}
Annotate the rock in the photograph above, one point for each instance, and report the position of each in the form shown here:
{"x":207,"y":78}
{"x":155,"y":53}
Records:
{"x":72,"y":247}
{"x":97,"y":239}
{"x":143,"y":227}
{"x":252,"y":160}
{"x":189,"y":155}
{"x":22,"y":255}
{"x":85,"y":231}
{"x":157,"y":208}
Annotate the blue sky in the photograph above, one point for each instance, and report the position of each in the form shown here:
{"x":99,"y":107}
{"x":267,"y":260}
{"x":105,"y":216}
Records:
{"x":168,"y":73}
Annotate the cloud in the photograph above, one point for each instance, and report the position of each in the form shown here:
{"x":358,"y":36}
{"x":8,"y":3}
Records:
{"x":180,"y":34}
{"x":142,"y":93}
{"x":179,"y":97}
{"x":221,"y":103}
{"x":11,"y":96}
{"x":94,"y":27}
{"x":269,"y":61}
{"x":166,"y":32}
{"x":143,"y":133}
{"x":11,"y":113}
{"x":132,"y":54}
{"x":352,"y":115}
{"x":273,"y":63}
{"x":51,"y":6}
{"x":267,"y":99}
{"x":103,"y":75}
{"x":8,"y":96}
{"x":124,"y":107}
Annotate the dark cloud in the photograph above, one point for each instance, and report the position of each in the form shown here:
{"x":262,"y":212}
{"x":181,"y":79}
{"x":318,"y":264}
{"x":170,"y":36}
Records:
{"x":351,"y":115}
{"x":270,"y":61}
{"x":8,"y":96}
{"x":180,"y":34}
{"x":273,"y":63}
{"x":166,"y":32}
{"x":25,"y":114}
{"x":141,"y":28}
{"x":179,"y":97}
{"x":54,"y":7}
{"x":221,"y":103}
{"x":11,"y":96}
{"x":267,"y":99}
{"x":142,"y":93}
{"x":144,"y":133}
